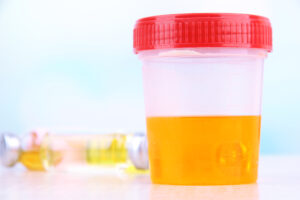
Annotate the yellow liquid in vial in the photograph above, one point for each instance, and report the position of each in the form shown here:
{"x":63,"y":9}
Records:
{"x":32,"y":160}
{"x":40,"y":160}
{"x":213,"y":150}
{"x":107,"y":150}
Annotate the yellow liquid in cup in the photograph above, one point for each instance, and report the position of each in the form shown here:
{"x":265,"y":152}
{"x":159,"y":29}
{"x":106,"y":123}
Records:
{"x":213,"y":150}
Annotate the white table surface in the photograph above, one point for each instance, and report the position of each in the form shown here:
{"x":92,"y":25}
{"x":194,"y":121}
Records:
{"x":279,"y":178}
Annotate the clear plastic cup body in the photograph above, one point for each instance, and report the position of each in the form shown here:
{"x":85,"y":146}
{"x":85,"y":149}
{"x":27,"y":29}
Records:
{"x":203,"y":110}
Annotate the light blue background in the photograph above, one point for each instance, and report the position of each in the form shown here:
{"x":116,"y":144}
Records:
{"x":68,"y":64}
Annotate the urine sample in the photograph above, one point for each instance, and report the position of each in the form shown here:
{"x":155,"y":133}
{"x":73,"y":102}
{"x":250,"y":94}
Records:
{"x":42,"y":151}
{"x":203,"y":75}
{"x":224,"y":149}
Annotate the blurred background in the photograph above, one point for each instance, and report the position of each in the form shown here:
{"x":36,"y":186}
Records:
{"x":69,"y":64}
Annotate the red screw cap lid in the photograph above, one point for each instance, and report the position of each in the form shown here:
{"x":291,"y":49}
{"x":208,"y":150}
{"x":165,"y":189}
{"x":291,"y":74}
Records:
{"x":202,"y":30}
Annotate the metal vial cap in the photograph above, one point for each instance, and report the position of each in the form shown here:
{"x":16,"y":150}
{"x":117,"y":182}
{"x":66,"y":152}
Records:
{"x":138,"y":151}
{"x":10,"y":149}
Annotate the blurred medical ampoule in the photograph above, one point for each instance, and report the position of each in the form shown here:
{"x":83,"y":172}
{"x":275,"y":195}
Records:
{"x":45,"y":151}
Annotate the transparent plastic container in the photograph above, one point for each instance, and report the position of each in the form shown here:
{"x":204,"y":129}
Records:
{"x":203,"y":106}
